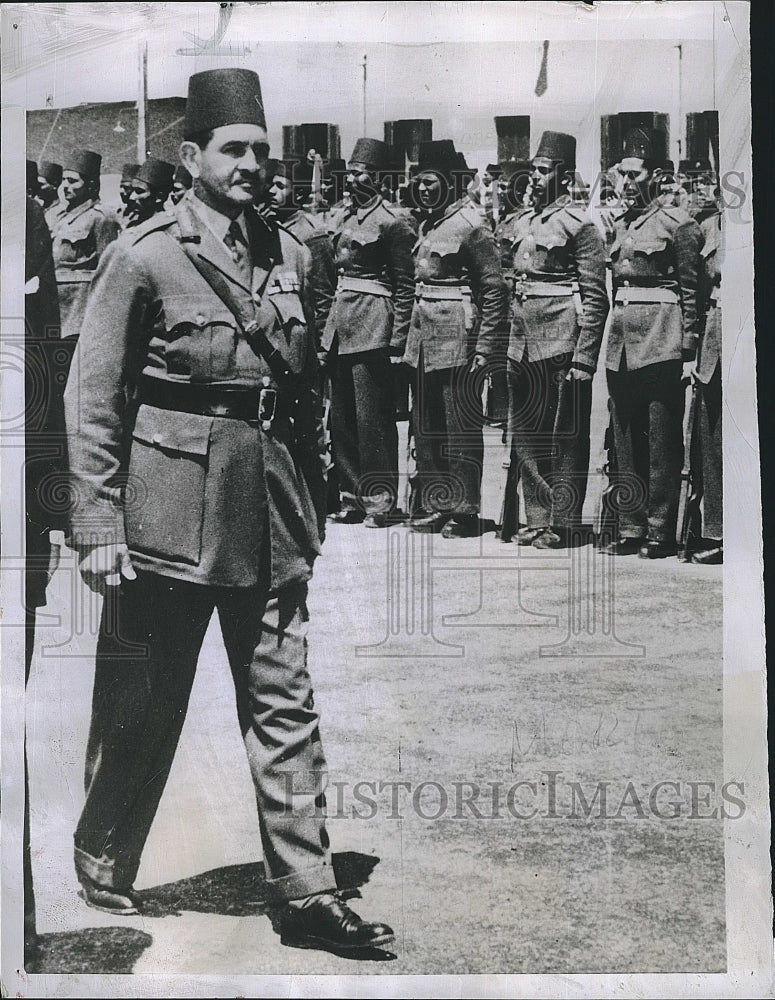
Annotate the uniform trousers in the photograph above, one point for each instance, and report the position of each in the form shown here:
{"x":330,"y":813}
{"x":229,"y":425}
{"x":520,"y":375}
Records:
{"x":150,"y":637}
{"x":365,"y":438}
{"x":549,"y":420}
{"x":710,"y":457}
{"x":447,"y":421}
{"x":647,"y":414}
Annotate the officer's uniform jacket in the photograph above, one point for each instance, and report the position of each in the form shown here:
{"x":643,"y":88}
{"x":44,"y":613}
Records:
{"x":208,"y":499}
{"x":312,"y":232}
{"x":655,"y":262}
{"x":560,"y":302}
{"x":461,"y":300}
{"x":710,"y":287}
{"x":375,"y":286}
{"x":505,"y":233}
{"x":79,"y":240}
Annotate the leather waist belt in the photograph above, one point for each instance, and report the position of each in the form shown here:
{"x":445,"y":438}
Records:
{"x":635,"y":293}
{"x":66,"y":276}
{"x":349,"y":283}
{"x":524,"y":288}
{"x":259,"y":406}
{"x":450,"y":293}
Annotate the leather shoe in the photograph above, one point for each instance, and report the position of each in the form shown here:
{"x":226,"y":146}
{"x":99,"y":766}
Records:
{"x":324,"y":921}
{"x":709,"y":557}
{"x":655,"y":549}
{"x":551,"y":538}
{"x":347,"y":515}
{"x":427,"y":521}
{"x":122,"y":902}
{"x":622,"y":547}
{"x":526,"y":536}
{"x":461,"y":526}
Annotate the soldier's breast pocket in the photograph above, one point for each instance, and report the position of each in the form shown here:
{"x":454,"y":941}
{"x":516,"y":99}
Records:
{"x":283,"y":297}
{"x":75,"y":244}
{"x":201,"y":338}
{"x":164,"y":505}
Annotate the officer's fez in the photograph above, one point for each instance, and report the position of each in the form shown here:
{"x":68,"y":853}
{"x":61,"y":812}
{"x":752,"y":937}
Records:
{"x":648,"y":144}
{"x":220,"y":97}
{"x":559,"y":147}
{"x":374,"y":153}
{"x":50,"y":172}
{"x":129,"y":172}
{"x":157,"y":174}
{"x":85,"y":162}
{"x":439,"y":156}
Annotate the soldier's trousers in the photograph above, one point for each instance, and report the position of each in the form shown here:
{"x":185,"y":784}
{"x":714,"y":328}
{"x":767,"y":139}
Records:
{"x":549,"y":419}
{"x":150,"y":637}
{"x":710,"y":457}
{"x":364,"y":434}
{"x":447,"y":422}
{"x":647,"y":414}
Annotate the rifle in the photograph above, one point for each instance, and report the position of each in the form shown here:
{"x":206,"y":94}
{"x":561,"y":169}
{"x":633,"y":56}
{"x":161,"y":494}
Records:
{"x":688,"y":523}
{"x":509,"y":519}
{"x":606,"y":526}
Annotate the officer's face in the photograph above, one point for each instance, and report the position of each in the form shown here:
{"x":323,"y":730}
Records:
{"x":227,"y":172}
{"x":360,"y":182}
{"x":544,"y":179}
{"x":74,"y":188}
{"x":430,"y":191}
{"x":142,"y":199}
{"x":280,"y":191}
{"x":634,"y":182}
{"x":48,"y":193}
{"x":125,"y":191}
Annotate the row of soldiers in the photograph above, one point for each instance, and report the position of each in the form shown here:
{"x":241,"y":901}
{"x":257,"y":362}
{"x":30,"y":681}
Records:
{"x":504,"y":283}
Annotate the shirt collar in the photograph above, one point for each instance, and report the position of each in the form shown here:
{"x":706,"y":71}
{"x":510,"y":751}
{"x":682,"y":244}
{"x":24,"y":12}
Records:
{"x":215,"y":221}
{"x":555,"y":206}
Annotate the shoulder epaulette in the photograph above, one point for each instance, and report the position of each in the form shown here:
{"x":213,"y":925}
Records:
{"x":472,"y":215}
{"x":678,"y":215}
{"x":163,"y":220}
{"x":287,"y":232}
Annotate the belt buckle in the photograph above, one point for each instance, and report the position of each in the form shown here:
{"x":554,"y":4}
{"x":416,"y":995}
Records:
{"x":418,"y":290}
{"x":267,"y":407}
{"x":626,"y":295}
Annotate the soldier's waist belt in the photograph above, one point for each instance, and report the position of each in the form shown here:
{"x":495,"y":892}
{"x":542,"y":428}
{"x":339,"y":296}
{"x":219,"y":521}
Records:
{"x":259,"y":405}
{"x":644,"y":293}
{"x":450,"y":293}
{"x":370,"y":286}
{"x":71,"y":276}
{"x":525,"y":288}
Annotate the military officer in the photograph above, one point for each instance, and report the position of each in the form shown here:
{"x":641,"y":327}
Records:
{"x":456,"y":269}
{"x":708,"y":374}
{"x":559,"y":311}
{"x":510,"y":183}
{"x":151,"y":187}
{"x":210,"y":496}
{"x":290,"y":191}
{"x":652,"y":344}
{"x":698,"y":181}
{"x":181,"y":182}
{"x":366,"y":331}
{"x":49,"y":181}
{"x":80,"y":236}
{"x":126,"y":212}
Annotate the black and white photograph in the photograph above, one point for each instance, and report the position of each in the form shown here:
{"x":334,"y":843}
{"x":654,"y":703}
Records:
{"x":382,"y":599}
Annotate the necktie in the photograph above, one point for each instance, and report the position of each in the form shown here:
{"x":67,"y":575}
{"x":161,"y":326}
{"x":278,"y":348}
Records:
{"x":235,"y":241}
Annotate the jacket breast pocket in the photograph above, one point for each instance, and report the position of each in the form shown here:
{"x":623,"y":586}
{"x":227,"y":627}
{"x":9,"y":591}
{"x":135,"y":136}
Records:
{"x":201,"y":338}
{"x":168,"y":467}
{"x":651,"y":247}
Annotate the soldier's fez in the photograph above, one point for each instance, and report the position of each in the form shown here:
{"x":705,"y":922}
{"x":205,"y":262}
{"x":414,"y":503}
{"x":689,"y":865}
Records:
{"x":649,"y":144}
{"x":220,"y":97}
{"x":182,"y":176}
{"x":129,"y":172}
{"x":85,"y":162}
{"x":439,"y":156}
{"x":558,"y":146}
{"x":374,"y":153}
{"x":694,"y":167}
{"x":50,"y":172}
{"x":157,"y":174}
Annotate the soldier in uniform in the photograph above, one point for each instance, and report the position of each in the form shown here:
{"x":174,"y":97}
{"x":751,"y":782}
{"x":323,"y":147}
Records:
{"x":181,"y":182}
{"x":652,"y":344}
{"x":559,"y":311}
{"x":456,"y":268}
{"x":209,"y":496}
{"x":708,"y":374}
{"x":49,"y":180}
{"x":697,"y":179}
{"x":80,"y":236}
{"x":128,"y":174}
{"x":366,"y":331}
{"x":151,"y":187}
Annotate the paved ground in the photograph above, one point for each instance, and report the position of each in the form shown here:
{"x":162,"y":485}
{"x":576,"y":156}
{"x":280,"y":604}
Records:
{"x":475,"y":676}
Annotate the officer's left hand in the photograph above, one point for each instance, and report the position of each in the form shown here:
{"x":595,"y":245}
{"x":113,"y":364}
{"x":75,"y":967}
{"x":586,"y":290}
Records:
{"x":578,"y":375}
{"x":479,"y":362}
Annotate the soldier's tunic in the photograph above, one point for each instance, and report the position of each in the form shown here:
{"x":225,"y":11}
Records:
{"x":654,"y":327}
{"x":174,"y":448}
{"x":367,"y":324}
{"x":559,"y":310}
{"x":54,"y":213}
{"x":709,"y":376}
{"x":80,"y":237}
{"x":313,"y":233}
{"x":456,"y":270}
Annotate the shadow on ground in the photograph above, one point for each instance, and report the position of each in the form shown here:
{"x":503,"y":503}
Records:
{"x":112,"y":950}
{"x":241,"y":890}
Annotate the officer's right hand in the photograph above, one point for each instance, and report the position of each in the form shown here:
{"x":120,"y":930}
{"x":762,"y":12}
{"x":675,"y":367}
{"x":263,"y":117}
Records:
{"x":104,"y":566}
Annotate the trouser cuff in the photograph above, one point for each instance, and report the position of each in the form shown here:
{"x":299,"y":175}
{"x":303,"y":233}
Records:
{"x":104,"y":870}
{"x":299,"y":884}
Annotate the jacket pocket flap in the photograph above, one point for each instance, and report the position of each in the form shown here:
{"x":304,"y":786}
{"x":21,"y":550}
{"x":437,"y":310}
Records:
{"x":653,"y":246}
{"x":196,"y":310}
{"x":172,"y":430}
{"x":441,"y":248}
{"x":75,"y":234}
